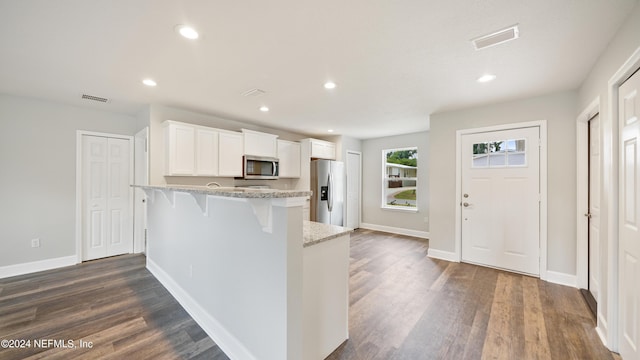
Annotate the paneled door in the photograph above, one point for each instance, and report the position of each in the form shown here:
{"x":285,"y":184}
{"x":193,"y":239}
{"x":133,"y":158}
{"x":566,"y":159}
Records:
{"x":501,"y":199}
{"x":594,"y":207}
{"x":354,"y":174}
{"x":629,"y":218}
{"x":107,"y":226}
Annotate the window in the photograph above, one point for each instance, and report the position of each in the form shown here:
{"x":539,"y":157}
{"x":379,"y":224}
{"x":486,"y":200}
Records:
{"x":504,"y":153}
{"x":399,"y":178}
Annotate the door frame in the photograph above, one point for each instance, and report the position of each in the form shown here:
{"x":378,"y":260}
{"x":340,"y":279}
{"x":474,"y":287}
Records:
{"x":582,"y":191}
{"x":542,"y":124}
{"x":612,"y":181}
{"x":79,"y":198}
{"x":359,"y":153}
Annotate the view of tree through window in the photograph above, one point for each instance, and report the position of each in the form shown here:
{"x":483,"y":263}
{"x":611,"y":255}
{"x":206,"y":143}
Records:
{"x":400,"y":176}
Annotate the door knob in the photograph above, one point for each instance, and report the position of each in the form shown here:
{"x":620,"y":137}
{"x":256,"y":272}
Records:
{"x":588,"y":215}
{"x":466,"y":204}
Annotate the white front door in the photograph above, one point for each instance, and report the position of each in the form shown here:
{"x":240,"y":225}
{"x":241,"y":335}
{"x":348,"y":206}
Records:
{"x":629,"y":256}
{"x":107,"y":226}
{"x":501,"y":199}
{"x":594,"y":206}
{"x":353,"y":189}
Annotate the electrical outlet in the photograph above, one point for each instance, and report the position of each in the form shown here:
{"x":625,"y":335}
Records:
{"x":35,"y":243}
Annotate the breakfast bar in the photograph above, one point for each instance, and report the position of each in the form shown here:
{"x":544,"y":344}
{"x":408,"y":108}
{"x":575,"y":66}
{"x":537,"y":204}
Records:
{"x":263,"y":283}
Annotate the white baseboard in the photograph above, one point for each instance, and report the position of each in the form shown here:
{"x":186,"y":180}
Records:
{"x":442,"y":255}
{"x":561,"y":278}
{"x":35,"y":266}
{"x":395,"y":230}
{"x":231,"y":346}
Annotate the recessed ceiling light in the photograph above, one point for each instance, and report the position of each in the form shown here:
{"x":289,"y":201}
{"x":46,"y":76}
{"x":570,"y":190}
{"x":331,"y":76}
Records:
{"x":329,"y":85}
{"x":149,"y":82}
{"x":264,"y":108}
{"x":486,"y":78}
{"x":187,"y":31}
{"x":330,"y":130}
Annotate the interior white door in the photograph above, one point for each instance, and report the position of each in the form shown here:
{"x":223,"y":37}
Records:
{"x":594,"y":206}
{"x":107,"y":219}
{"x":353,"y":189}
{"x":140,"y":177}
{"x":501,"y":199}
{"x":629,"y":255}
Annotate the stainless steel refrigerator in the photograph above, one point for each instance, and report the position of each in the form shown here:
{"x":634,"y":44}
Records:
{"x":327,"y":184}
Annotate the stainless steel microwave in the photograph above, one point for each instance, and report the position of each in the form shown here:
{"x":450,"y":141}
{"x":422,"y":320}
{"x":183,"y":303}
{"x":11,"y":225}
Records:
{"x":259,"y":167}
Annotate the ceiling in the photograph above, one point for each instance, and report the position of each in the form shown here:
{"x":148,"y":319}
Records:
{"x":394,"y":62}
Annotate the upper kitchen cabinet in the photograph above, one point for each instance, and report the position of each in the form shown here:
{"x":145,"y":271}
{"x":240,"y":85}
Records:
{"x":320,"y":149}
{"x":289,"y":155}
{"x":260,"y":144}
{"x":206,"y":152}
{"x":230,"y":145}
{"x":179,"y":148}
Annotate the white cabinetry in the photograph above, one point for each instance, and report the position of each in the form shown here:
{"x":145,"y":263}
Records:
{"x":230,"y":145}
{"x":206,"y":152}
{"x":179,"y":148}
{"x":321,"y":149}
{"x":289,"y":156}
{"x":260,"y":144}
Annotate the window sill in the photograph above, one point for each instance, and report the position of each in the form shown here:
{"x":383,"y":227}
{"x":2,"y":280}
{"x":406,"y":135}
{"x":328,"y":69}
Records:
{"x":400,"y":209}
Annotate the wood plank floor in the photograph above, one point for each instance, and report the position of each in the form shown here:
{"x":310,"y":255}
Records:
{"x":115,"y":303}
{"x":403,"y":305}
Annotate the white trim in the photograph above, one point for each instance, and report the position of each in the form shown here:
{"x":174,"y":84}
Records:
{"x":79,"y":135}
{"x":231,"y":346}
{"x":561,"y":278}
{"x":542,"y":124}
{"x":395,"y":230}
{"x":582,"y":192}
{"x":611,"y":182}
{"x":442,"y":255}
{"x":35,"y":266}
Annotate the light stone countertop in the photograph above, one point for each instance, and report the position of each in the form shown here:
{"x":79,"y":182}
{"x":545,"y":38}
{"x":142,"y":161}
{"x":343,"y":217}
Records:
{"x":315,"y":232}
{"x":231,"y":191}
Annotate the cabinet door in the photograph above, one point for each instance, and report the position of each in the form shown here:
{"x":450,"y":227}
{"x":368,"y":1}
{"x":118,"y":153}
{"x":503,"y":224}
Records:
{"x":323,"y":150}
{"x":259,"y":144}
{"x":180,"y":159}
{"x":289,"y":155}
{"x":206,"y":152}
{"x":230,"y":149}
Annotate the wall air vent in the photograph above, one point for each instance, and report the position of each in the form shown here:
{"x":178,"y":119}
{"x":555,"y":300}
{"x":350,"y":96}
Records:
{"x":495,"y":38}
{"x":95,"y":98}
{"x":253,"y":93}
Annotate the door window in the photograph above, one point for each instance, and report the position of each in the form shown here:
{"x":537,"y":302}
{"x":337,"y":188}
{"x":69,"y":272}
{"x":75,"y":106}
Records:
{"x":499,"y":154}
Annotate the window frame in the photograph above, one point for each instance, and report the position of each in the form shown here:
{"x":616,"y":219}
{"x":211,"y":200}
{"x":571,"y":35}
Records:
{"x":385,"y":179}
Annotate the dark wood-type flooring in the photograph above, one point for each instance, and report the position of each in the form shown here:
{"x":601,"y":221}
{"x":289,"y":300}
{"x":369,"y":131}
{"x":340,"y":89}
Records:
{"x":403,"y":305}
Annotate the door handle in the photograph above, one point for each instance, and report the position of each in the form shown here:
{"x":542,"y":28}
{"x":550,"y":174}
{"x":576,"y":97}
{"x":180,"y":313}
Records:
{"x":466,"y":204}
{"x":588,"y":215}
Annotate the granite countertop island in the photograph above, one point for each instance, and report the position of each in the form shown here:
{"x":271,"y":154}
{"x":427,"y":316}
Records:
{"x":315,"y":232}
{"x":218,"y":250}
{"x":234,"y":192}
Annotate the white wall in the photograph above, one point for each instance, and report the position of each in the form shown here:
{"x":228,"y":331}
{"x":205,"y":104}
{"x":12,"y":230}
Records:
{"x":38,"y":173}
{"x":560,"y":112}
{"x":372,"y":213}
{"x":158,"y":114}
{"x":595,"y":85}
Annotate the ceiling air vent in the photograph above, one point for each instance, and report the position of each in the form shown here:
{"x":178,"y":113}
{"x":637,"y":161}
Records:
{"x":495,"y":38}
{"x":95,"y":98}
{"x":253,"y":93}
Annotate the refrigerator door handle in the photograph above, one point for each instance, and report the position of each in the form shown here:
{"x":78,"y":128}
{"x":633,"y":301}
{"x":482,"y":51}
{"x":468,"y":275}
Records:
{"x":330,"y":192}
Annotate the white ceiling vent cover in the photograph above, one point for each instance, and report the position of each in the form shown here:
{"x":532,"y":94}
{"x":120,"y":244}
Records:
{"x":495,"y":38}
{"x":253,"y":93}
{"x":95,"y":98}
